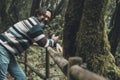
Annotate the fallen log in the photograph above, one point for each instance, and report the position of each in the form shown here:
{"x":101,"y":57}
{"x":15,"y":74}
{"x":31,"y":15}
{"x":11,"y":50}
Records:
{"x":59,"y":60}
{"x":74,"y":71}
{"x":78,"y":73}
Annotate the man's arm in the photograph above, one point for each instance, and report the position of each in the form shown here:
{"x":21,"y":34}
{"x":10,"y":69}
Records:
{"x":36,"y":34}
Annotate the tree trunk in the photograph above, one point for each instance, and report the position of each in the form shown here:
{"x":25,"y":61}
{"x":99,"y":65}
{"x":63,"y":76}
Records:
{"x":4,"y":18}
{"x":114,"y":35}
{"x":92,"y":41}
{"x":72,"y":19}
{"x":35,"y":5}
{"x":12,"y":11}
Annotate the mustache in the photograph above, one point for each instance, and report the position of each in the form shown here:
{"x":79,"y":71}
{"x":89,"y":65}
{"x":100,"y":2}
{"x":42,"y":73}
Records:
{"x":44,"y":21}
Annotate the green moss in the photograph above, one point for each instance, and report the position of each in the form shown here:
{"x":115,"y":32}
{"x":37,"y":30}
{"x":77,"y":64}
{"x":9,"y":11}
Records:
{"x":93,"y":45}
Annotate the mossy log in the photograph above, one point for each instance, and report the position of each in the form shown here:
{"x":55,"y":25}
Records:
{"x":75,"y":71}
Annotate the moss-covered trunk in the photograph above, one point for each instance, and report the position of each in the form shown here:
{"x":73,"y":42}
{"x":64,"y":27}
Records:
{"x":92,"y":41}
{"x":72,"y":19}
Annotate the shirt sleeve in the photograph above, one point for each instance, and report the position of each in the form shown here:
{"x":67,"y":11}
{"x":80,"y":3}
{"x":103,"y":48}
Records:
{"x":37,"y":35}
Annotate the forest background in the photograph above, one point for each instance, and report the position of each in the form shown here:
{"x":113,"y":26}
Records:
{"x":12,"y":11}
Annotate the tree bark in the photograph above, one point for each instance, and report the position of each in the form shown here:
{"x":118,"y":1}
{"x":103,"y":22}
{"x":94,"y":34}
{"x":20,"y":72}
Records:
{"x":92,"y":40}
{"x":81,"y":74}
{"x":114,"y":34}
{"x":72,"y":19}
{"x":35,"y":5}
{"x":60,"y":61}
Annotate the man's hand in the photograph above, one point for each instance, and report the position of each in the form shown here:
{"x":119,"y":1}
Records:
{"x":55,"y":38}
{"x":59,"y":48}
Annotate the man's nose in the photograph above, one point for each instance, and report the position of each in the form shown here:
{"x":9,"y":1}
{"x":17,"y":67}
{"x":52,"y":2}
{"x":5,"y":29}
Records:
{"x":46,"y":18}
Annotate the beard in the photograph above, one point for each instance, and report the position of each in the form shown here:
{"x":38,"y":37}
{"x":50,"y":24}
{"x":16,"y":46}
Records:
{"x":42,"y":24}
{"x":43,"y":21}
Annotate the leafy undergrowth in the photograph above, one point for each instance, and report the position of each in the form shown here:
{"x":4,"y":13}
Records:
{"x":36,"y":58}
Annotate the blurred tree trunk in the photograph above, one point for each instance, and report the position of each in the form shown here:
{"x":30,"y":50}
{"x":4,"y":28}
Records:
{"x":59,"y":8}
{"x":114,"y":34}
{"x":72,"y":19}
{"x":4,"y":18}
{"x":35,"y":5}
{"x":90,"y":40}
{"x":11,"y":11}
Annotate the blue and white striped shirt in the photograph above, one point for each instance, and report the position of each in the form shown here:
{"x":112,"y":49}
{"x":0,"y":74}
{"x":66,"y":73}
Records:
{"x":23,"y":34}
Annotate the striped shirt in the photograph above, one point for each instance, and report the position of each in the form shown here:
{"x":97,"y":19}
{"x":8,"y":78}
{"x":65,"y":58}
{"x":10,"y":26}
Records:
{"x":23,"y":34}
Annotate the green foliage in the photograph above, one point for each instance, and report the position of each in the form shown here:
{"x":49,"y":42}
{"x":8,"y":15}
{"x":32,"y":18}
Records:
{"x":36,"y":58}
{"x":56,"y":26}
{"x":12,"y":11}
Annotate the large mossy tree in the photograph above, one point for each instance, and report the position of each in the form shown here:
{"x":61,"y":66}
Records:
{"x":85,"y":36}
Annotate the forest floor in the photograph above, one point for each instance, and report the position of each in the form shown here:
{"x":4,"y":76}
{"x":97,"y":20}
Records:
{"x":36,"y":59}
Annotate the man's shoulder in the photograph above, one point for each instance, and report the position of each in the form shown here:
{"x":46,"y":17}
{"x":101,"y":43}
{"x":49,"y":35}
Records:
{"x":34,"y":20}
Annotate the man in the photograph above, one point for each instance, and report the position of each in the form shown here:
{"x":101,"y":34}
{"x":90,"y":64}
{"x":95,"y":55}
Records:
{"x":19,"y":37}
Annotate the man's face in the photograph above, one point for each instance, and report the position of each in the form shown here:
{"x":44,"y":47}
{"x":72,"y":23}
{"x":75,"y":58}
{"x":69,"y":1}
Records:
{"x":45,"y":18}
